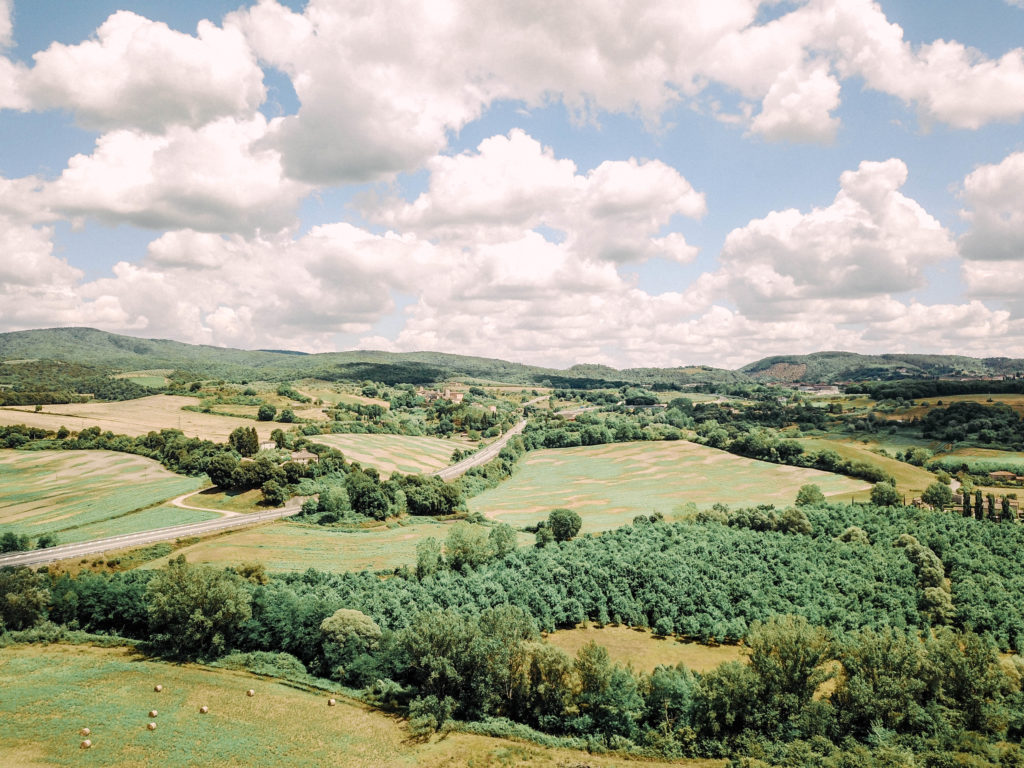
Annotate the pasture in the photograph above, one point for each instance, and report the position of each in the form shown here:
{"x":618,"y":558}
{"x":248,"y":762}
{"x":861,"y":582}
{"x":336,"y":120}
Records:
{"x":396,"y":453}
{"x":82,"y":495}
{"x":52,"y":691}
{"x":643,"y":651}
{"x":1015,"y":401}
{"x":135,"y":417}
{"x":608,"y":485}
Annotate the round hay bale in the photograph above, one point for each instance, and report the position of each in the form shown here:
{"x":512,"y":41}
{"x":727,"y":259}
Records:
{"x":331,"y":702}
{"x":152,"y":726}
{"x":204,"y":709}
{"x":250,"y":692}
{"x":153,"y":713}
{"x":158,"y":688}
{"x":85,"y":744}
{"x":85,"y":731}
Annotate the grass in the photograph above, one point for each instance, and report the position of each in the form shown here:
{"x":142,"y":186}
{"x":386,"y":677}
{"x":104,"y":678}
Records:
{"x":135,"y":417}
{"x":50,"y":692}
{"x":82,"y":495}
{"x":609,"y":485}
{"x":228,"y":501}
{"x":396,"y":453}
{"x":910,"y":480}
{"x":289,"y":546}
{"x":1015,"y":401}
{"x":643,"y":651}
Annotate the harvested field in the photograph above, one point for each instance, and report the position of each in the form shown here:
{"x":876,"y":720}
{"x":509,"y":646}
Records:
{"x":396,"y":453}
{"x":608,"y":485}
{"x":643,"y":651}
{"x":52,"y":691}
{"x":135,"y":417}
{"x":82,"y":495}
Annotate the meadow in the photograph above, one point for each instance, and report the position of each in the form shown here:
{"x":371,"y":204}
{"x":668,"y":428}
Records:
{"x":81,"y":495}
{"x":52,"y":691}
{"x":638,"y":648}
{"x":396,"y":453}
{"x":608,"y":485}
{"x":135,"y":417}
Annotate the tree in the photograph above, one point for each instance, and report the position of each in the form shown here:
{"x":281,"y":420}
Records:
{"x":467,"y":545}
{"x":244,"y":440}
{"x":287,"y":416}
{"x":564,"y":523}
{"x":502,"y":540}
{"x":23,"y":598}
{"x":274,"y":495}
{"x":221,"y":468}
{"x":266,"y":412}
{"x":428,"y":558}
{"x":195,"y":611}
{"x":937,"y":495}
{"x":885,"y":495}
{"x":366,"y":496}
{"x":809,"y":495}
{"x":347,"y":633}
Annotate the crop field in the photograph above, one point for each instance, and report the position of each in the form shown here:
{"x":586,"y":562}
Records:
{"x":396,"y":453}
{"x":287,"y":546}
{"x":643,"y":651}
{"x":52,"y":691}
{"x":81,"y":495}
{"x":156,"y":377}
{"x":135,"y":417}
{"x":608,"y":485}
{"x":1016,"y":402}
{"x":909,"y":479}
{"x":313,"y":413}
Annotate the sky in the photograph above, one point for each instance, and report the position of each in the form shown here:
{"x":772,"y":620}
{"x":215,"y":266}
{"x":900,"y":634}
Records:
{"x":644,"y":183}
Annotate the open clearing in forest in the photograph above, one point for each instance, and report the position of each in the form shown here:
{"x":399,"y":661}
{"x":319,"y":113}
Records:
{"x":396,"y":453}
{"x":52,"y":691}
{"x":135,"y":417}
{"x":82,"y":495}
{"x":609,"y":485}
{"x":643,"y":651}
{"x":910,"y":480}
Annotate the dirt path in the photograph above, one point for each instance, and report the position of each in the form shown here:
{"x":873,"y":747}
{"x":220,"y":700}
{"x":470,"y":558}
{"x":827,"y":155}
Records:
{"x":180,"y":502}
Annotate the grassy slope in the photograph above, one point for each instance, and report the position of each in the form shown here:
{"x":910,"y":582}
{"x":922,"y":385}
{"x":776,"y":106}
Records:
{"x":50,"y":692}
{"x":81,"y":495}
{"x":608,"y":485}
{"x":910,"y":480}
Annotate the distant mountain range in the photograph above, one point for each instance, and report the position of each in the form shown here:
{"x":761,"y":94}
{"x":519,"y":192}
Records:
{"x":89,"y":346}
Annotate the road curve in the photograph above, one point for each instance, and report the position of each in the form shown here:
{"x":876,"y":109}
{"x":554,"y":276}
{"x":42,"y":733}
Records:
{"x":132,"y":540}
{"x":482,"y":456}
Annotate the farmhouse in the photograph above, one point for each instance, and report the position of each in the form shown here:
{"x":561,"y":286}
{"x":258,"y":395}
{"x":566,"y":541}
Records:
{"x":304,"y":457}
{"x":1002,"y":476}
{"x":268,"y":445}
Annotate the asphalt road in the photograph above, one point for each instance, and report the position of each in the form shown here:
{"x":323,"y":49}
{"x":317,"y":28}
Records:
{"x":482,"y":456}
{"x":132,"y":540}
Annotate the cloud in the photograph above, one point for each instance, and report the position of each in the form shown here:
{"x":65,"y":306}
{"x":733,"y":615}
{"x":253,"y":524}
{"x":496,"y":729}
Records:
{"x":6,"y":24}
{"x":993,"y":194}
{"x":141,"y":74}
{"x":216,"y":178}
{"x":512,"y":184}
{"x":871,"y":241}
{"x":798,"y":107}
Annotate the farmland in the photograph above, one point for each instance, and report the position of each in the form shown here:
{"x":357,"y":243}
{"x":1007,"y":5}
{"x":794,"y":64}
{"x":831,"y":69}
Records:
{"x":50,"y":692}
{"x":134,"y":417}
{"x":81,"y":495}
{"x":609,"y":485}
{"x":396,"y":453}
{"x":910,"y":480}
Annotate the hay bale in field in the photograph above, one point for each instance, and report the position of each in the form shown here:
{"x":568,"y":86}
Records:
{"x":85,"y":744}
{"x":151,"y":726}
{"x":152,"y":713}
{"x":331,"y":702}
{"x":158,"y":688}
{"x":85,"y":731}
{"x":204,"y":709}
{"x":250,"y":692}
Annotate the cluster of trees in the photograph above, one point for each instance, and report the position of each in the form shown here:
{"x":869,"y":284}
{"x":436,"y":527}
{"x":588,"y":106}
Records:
{"x":42,"y":382}
{"x":919,"y":389}
{"x":996,"y":425}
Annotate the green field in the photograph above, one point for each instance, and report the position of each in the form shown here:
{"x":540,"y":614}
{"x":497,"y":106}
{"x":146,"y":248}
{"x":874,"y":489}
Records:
{"x":50,"y":692}
{"x":287,"y":546}
{"x":910,"y":480}
{"x":81,"y":495}
{"x":608,"y":485}
{"x":395,"y":453}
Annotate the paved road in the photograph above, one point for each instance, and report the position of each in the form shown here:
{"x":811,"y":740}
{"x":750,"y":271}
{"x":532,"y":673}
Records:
{"x":482,"y":456}
{"x":132,"y":540}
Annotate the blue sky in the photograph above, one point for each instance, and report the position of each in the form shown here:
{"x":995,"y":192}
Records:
{"x":697,"y":181}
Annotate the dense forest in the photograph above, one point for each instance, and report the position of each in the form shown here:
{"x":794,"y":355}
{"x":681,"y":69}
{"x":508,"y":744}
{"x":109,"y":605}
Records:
{"x":849,"y":594}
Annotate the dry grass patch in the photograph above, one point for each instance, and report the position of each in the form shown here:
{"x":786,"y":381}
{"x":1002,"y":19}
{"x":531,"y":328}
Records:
{"x":396,"y":453}
{"x":639,"y":649}
{"x":910,"y":480}
{"x":135,"y":417}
